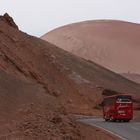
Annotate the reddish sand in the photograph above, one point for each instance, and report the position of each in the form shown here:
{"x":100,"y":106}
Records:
{"x":41,"y":85}
{"x":112,"y":44}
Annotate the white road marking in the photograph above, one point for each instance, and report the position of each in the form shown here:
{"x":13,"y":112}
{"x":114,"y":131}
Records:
{"x":124,"y":131}
{"x":113,"y":133}
{"x":135,"y":128}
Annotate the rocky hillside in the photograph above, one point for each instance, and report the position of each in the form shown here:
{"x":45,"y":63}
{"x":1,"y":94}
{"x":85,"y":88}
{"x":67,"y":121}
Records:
{"x":112,"y":44}
{"x":41,"y":85}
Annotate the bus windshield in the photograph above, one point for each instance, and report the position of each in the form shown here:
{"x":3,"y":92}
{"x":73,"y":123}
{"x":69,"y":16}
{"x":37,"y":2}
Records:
{"x":123,"y":98}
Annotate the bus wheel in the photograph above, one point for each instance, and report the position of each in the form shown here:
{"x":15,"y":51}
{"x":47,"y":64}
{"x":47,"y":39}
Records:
{"x":112,"y":119}
{"x":126,"y":120}
{"x":106,"y":120}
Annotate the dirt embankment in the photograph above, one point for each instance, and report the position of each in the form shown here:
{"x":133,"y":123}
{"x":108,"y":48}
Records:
{"x":132,"y":76}
{"x":41,"y":85}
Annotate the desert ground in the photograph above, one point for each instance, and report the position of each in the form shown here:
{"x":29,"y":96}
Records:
{"x":42,"y":87}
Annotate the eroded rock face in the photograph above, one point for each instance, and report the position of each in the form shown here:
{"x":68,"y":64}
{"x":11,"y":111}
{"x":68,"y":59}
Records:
{"x":8,"y":20}
{"x":29,"y":109}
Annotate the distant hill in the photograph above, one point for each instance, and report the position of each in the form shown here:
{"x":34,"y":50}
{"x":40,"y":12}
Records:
{"x":112,"y":44}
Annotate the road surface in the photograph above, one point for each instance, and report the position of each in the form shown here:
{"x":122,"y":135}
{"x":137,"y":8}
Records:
{"x":124,"y":130}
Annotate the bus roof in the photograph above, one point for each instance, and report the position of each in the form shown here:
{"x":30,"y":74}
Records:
{"x":120,"y":94}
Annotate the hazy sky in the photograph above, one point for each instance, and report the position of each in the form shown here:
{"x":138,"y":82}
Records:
{"x":37,"y":17}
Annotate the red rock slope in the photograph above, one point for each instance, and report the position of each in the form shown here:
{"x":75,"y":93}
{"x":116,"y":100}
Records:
{"x":40,"y":85}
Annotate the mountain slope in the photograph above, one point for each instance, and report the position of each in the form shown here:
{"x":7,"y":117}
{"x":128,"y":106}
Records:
{"x":132,"y":76}
{"x":41,"y":85}
{"x":112,"y":44}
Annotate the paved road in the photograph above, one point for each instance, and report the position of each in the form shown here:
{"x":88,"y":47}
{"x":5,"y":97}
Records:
{"x":126,"y":130}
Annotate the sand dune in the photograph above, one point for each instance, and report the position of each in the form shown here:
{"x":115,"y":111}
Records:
{"x":112,"y":44}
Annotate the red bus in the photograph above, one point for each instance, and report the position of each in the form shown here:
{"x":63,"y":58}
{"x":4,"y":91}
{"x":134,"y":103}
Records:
{"x":118,"y":107}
